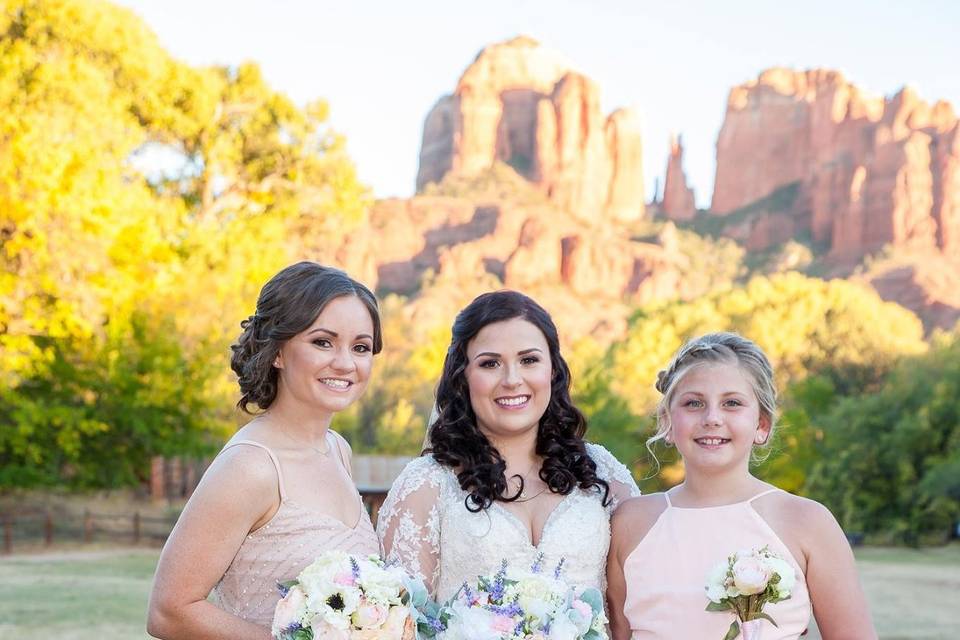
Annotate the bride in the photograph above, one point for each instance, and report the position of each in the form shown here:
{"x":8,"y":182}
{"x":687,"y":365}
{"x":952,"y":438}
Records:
{"x":507,"y":475}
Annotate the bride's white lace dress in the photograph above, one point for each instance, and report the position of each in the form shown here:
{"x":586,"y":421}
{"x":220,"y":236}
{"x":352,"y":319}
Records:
{"x":426,"y":527}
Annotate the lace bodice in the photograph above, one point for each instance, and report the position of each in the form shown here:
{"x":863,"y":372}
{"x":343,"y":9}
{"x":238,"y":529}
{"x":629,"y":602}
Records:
{"x":425,"y":526}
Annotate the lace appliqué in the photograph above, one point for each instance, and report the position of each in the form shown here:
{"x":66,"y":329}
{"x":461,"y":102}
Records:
{"x":426,"y":527}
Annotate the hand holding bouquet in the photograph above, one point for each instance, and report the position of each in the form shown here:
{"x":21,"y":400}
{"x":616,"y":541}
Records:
{"x":344,"y":597}
{"x":522,"y":605}
{"x":744,"y":583}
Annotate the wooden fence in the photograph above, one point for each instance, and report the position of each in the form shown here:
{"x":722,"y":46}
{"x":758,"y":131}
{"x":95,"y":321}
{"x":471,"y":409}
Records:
{"x":32,"y":527}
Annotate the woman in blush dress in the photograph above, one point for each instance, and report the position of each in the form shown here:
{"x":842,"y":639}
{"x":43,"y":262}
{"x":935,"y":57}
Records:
{"x":508,"y":475}
{"x":280,"y":493}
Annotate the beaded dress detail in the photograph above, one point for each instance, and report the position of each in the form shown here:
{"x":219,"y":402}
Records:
{"x":282,"y":548}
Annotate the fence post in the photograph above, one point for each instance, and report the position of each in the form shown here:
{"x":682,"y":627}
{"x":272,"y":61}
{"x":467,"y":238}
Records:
{"x":87,"y":526}
{"x":136,"y":527}
{"x":7,"y":533}
{"x":48,"y":529}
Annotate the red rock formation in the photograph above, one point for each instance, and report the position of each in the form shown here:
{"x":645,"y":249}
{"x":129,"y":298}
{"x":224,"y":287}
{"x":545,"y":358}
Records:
{"x":871,"y":171}
{"x":523,"y":105}
{"x":678,"y":201}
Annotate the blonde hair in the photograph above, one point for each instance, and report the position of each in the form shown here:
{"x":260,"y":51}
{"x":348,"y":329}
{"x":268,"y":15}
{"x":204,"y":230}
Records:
{"x":718,"y":348}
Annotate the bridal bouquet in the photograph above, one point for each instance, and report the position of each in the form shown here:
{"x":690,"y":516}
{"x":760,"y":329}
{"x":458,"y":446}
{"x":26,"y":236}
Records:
{"x":522,"y":605}
{"x":345,"y":597}
{"x":744,"y":583}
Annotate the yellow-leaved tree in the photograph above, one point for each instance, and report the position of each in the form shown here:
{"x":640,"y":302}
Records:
{"x":143,"y":202}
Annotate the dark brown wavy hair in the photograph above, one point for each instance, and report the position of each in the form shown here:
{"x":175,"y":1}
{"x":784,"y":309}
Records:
{"x":288,"y":304}
{"x":457,"y":442}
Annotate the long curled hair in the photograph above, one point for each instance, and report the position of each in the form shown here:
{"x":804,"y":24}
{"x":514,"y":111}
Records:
{"x":456,"y":440}
{"x":288,"y":304}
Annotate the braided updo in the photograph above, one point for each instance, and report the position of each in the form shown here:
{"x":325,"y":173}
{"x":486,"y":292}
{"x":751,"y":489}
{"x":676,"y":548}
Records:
{"x":289,"y":304}
{"x":717,"y":348}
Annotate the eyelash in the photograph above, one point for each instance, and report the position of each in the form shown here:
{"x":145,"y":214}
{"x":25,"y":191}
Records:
{"x":690,"y":403}
{"x":324,"y":344}
{"x":490,"y":364}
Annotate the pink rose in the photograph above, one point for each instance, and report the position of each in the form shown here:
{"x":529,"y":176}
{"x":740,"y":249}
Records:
{"x":398,"y":626}
{"x":370,"y":615}
{"x":290,"y":610}
{"x":750,"y":575}
{"x":323,"y":630}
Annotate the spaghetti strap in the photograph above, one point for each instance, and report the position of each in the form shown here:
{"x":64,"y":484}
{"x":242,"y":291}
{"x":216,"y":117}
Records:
{"x":666,"y":494}
{"x":273,"y":458}
{"x":340,"y":454}
{"x":763,"y":493}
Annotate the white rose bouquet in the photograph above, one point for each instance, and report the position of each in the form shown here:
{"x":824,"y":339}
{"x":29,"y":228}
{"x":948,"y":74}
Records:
{"x":744,"y":583}
{"x":345,"y":597}
{"x":522,"y":605}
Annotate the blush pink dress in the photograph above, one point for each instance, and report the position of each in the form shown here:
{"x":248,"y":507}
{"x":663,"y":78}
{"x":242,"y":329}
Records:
{"x":667,"y":571}
{"x":282,"y":548}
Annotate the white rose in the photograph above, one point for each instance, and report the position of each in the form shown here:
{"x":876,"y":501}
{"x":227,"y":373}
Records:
{"x":750,"y":575}
{"x":381,"y":585}
{"x":323,"y":570}
{"x":538,"y":595}
{"x":717,"y":582}
{"x":788,"y":577}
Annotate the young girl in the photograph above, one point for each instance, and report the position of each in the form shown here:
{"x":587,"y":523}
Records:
{"x":719,"y":402}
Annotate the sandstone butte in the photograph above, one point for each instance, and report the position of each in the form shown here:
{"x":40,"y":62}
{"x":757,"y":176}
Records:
{"x":678,"y":199}
{"x":800,"y":155}
{"x":524,"y":105}
{"x":865,"y":171}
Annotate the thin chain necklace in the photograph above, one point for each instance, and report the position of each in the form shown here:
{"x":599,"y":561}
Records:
{"x":307,"y":446}
{"x":523,"y":495}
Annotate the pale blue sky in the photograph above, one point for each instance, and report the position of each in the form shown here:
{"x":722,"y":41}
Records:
{"x":382,"y":65}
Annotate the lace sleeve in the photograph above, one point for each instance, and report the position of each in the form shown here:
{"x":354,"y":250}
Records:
{"x":409,"y":521}
{"x":622,"y":484}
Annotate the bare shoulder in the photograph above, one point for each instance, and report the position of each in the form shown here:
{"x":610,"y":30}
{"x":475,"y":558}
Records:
{"x":242,"y":470}
{"x":645,"y":508}
{"x":343,"y":443}
{"x":798,"y":511}
{"x":633,"y":520}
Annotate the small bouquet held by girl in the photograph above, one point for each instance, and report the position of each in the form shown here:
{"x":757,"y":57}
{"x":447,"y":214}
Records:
{"x":345,"y":597}
{"x":522,"y":605}
{"x":744,"y":583}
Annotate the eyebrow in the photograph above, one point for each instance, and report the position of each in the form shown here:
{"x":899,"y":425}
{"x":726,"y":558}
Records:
{"x":337,"y":335}
{"x":497,"y":355}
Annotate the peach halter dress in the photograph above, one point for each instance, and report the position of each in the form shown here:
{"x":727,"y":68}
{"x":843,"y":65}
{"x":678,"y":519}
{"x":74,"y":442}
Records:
{"x":282,"y":548}
{"x":666,"y":573}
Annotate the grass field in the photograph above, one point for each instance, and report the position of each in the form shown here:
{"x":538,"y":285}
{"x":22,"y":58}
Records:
{"x":101,"y":594}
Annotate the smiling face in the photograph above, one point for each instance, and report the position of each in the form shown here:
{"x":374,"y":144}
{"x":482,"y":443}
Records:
{"x":715,"y":418}
{"x":508,"y":374}
{"x":327,"y":366}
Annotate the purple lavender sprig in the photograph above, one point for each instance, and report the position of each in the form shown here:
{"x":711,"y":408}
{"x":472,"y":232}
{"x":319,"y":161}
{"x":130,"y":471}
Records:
{"x":496,"y":591}
{"x":355,"y":568}
{"x":537,"y":565}
{"x":559,"y":569}
{"x":469,"y":594}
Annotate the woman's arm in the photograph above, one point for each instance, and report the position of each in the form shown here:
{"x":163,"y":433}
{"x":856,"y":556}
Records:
{"x":237,"y":494}
{"x":839,"y":603}
{"x":616,"y":583}
{"x":409,"y":522}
